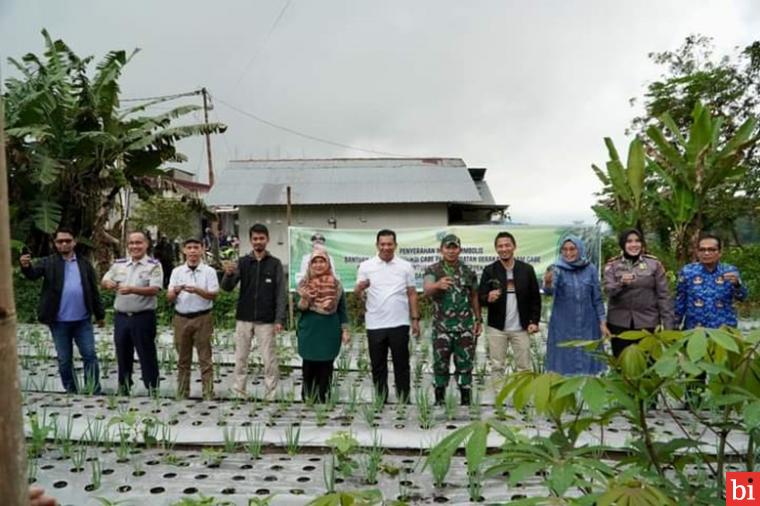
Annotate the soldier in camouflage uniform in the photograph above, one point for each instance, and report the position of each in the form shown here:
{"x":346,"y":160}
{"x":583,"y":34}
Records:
{"x":453,"y":287}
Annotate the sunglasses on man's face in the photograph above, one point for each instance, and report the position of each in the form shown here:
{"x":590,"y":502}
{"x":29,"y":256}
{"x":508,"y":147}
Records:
{"x":64,"y":241}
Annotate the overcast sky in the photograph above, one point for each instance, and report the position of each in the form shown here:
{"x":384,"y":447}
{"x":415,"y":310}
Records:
{"x":526,"y":89}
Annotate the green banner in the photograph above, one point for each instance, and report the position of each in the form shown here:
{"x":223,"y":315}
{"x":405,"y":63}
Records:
{"x":537,"y":245}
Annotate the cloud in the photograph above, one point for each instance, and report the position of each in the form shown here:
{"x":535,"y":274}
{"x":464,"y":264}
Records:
{"x":525,"y":89}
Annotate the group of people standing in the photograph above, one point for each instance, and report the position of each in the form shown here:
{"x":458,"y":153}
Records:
{"x":635,"y":284}
{"x":638,"y":298}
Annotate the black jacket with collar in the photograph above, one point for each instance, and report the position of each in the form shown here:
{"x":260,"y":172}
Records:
{"x":526,"y":289}
{"x":52,"y":269}
{"x":263,"y":294}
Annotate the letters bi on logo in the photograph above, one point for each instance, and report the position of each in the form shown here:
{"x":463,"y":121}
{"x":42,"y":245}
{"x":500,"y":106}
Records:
{"x":742,"y":489}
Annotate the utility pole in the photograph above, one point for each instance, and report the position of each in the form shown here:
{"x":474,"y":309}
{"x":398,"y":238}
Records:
{"x":13,"y":486}
{"x":215,"y":223}
{"x":204,"y":92}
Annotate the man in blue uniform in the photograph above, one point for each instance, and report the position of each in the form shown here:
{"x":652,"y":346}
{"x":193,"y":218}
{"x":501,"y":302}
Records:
{"x":708,"y":288}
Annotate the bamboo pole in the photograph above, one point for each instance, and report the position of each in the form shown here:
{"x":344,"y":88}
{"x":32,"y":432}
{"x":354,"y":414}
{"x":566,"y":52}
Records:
{"x":13,"y":486}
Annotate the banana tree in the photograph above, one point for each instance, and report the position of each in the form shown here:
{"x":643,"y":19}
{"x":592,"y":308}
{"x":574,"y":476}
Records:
{"x":690,"y":167}
{"x":624,"y":184}
{"x":72,"y":149}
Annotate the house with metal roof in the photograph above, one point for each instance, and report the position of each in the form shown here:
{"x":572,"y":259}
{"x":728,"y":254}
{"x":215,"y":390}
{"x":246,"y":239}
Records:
{"x":363,"y":193}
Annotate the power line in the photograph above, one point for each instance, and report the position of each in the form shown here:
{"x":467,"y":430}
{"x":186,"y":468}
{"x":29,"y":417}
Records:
{"x":305,"y":135}
{"x":263,"y":44}
{"x":162,"y":98}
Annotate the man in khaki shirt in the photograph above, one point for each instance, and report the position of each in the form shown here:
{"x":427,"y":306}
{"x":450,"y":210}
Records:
{"x":137,"y":279}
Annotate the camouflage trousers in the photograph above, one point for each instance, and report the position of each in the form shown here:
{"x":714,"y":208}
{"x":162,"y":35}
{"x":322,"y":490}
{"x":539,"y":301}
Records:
{"x":460,"y":344}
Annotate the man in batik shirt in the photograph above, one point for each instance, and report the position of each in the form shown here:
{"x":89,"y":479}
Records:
{"x":708,"y":288}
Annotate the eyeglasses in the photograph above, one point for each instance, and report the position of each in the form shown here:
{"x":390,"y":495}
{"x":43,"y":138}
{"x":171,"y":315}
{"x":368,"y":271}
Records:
{"x":708,"y":250}
{"x":63,"y":241}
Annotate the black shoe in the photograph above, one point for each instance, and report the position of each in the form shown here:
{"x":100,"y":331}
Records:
{"x":440,"y":395}
{"x":465,"y":396}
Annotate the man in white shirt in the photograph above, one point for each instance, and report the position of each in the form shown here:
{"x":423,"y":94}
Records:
{"x":391,"y":303}
{"x":193,"y":286}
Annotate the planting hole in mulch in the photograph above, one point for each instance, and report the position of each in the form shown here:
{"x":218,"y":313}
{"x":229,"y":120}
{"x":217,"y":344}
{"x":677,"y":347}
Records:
{"x":246,"y":466}
{"x":190,"y":490}
{"x":60,"y":484}
{"x":106,"y":472}
{"x":157,"y":490}
{"x":303,"y":479}
{"x":201,"y":476}
{"x":296,"y":491}
{"x":309,"y":468}
{"x":228,"y":491}
{"x":262,"y":491}
{"x":124,"y":489}
{"x":270,"y":478}
{"x":170,"y":475}
{"x":137,"y":474}
{"x":238,"y":477}
{"x":440,"y":499}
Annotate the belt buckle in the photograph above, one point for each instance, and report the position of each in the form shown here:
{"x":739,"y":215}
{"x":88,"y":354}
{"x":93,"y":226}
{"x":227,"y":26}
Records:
{"x":130,"y":314}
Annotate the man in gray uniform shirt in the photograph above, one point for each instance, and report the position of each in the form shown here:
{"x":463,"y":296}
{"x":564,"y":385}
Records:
{"x":136,"y":279}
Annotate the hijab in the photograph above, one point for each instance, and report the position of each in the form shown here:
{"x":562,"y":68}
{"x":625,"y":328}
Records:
{"x":624,"y":237}
{"x":579,"y":262}
{"x":327,"y":288}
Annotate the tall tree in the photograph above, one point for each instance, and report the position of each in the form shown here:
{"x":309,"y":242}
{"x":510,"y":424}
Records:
{"x":72,"y":149}
{"x":729,"y":86}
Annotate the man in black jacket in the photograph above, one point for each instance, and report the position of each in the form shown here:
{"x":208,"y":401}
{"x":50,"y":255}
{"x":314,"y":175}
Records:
{"x":69,"y":299}
{"x":510,"y":290}
{"x":261,"y":308}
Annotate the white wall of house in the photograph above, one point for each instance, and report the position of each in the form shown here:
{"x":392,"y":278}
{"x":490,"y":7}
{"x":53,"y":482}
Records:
{"x":353,"y":216}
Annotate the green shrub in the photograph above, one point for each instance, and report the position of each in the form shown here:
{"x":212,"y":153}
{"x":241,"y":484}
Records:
{"x":26,"y":294}
{"x":747,"y":260}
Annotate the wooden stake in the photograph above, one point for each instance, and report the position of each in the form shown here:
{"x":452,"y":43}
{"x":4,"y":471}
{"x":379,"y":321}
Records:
{"x":14,"y":490}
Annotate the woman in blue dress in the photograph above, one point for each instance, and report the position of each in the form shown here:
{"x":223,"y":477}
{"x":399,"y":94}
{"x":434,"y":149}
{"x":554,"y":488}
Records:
{"x":577,"y":313}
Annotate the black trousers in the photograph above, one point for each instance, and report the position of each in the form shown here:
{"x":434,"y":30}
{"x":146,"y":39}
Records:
{"x":397,"y":340}
{"x":618,"y":345}
{"x":136,"y":333}
{"x":317,"y":378}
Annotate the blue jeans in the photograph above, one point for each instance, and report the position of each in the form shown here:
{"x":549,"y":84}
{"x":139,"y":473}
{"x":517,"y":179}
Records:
{"x":79,"y":332}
